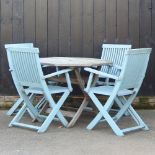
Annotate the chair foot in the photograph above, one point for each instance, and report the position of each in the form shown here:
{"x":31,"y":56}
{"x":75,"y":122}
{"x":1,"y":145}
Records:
{"x":41,"y":130}
{"x":10,"y":125}
{"x":146,"y":128}
{"x":120,"y":134}
{"x":89,"y":127}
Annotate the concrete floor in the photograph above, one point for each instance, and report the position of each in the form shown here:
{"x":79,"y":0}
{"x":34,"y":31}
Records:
{"x":77,"y":140}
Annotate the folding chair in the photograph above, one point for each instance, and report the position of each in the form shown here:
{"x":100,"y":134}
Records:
{"x":123,"y":92}
{"x":19,"y":101}
{"x":114,"y":53}
{"x":27,"y":75}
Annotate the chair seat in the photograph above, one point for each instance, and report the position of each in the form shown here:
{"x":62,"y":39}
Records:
{"x":107,"y":90}
{"x":52,"y":89}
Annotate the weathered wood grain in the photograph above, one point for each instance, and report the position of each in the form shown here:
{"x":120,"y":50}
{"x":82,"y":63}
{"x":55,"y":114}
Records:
{"x":111,"y":21}
{"x":87,"y":48}
{"x":145,"y":35}
{"x":134,"y":22}
{"x":6,"y":37}
{"x":18,"y":20}
{"x":99,"y":26}
{"x":64,"y":28}
{"x":53,"y":27}
{"x":77,"y":28}
{"x":73,"y":62}
{"x":122,"y":21}
{"x":41,"y":26}
{"x":29,"y":21}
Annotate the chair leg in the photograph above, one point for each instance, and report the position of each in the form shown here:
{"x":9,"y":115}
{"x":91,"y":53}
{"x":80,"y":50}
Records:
{"x":120,"y":106}
{"x":18,"y":115}
{"x":103,"y":111}
{"x":33,"y":112}
{"x":40,"y":104}
{"x":54,"y":112}
{"x":16,"y":119}
{"x":95,"y":121}
{"x":16,"y":104}
{"x":118,"y":100}
{"x":23,"y":109}
{"x":141,"y":122}
{"x":112,"y":123}
{"x":62,"y":118}
{"x":127,"y":107}
{"x":134,"y":114}
{"x":14,"y":107}
{"x":31,"y":97}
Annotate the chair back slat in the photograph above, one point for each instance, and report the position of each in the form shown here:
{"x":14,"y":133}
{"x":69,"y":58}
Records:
{"x":24,"y":63}
{"x":114,"y":53}
{"x":135,"y":66}
{"x":29,"y":45}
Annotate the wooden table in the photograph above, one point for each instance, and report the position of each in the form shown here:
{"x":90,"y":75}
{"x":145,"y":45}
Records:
{"x":75,"y":63}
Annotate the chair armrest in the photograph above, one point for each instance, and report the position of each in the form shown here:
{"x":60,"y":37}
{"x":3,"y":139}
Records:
{"x":101,"y":73}
{"x":57,"y":73}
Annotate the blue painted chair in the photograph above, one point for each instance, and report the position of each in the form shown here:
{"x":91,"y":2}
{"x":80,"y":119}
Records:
{"x":19,"y":101}
{"x":114,"y":53}
{"x":123,"y":91}
{"x":27,"y":75}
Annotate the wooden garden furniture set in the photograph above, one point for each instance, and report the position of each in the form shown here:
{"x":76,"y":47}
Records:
{"x":118,"y":75}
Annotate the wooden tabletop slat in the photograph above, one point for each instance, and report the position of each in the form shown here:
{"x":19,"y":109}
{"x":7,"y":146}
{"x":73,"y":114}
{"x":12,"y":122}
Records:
{"x":73,"y":61}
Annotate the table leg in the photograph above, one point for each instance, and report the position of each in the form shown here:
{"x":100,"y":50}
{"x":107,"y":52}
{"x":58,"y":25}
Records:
{"x":85,"y":100}
{"x":79,"y":112}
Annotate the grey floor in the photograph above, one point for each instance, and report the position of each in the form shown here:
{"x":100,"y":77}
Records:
{"x":77,"y":140}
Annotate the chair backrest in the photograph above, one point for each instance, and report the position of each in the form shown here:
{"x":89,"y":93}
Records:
{"x":29,"y":45}
{"x":114,"y":53}
{"x":25,"y":66}
{"x":134,"y":68}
